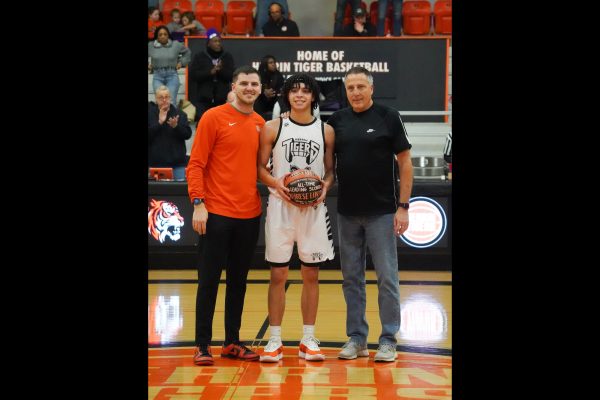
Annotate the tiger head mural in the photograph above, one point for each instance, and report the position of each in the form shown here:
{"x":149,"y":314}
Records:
{"x":164,"y":220}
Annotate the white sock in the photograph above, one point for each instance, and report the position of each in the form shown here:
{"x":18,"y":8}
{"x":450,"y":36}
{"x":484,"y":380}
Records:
{"x":276,"y":331}
{"x":309,"y":330}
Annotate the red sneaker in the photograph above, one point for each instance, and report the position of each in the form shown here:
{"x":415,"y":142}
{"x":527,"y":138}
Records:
{"x":238,"y":351}
{"x":203,"y":356}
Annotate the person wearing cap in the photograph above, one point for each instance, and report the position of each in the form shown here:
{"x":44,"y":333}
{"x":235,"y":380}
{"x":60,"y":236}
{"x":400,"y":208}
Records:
{"x":278,"y":25}
{"x":210,"y":75}
{"x":360,"y":26}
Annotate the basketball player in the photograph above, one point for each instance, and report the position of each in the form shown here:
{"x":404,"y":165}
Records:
{"x":370,"y":138}
{"x":221,"y":178}
{"x":299,"y":141}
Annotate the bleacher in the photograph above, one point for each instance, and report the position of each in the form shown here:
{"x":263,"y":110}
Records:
{"x":236,"y":17}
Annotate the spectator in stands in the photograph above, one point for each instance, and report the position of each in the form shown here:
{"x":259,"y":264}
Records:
{"x":175,"y":25}
{"x":221,"y":178}
{"x":262,"y":13}
{"x":272,"y":81}
{"x":340,"y":11}
{"x":360,"y":26}
{"x":165,"y":58}
{"x":168,"y":129}
{"x":396,"y":18}
{"x":278,"y":25}
{"x":192,"y":27}
{"x":210,"y":75}
{"x":153,"y":21}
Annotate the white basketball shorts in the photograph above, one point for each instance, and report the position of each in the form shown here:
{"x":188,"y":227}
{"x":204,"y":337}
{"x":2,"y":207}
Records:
{"x":309,"y":227}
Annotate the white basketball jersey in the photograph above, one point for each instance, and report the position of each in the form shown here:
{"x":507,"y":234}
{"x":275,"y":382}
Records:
{"x":298,"y":146}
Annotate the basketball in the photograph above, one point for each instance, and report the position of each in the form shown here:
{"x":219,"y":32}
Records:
{"x":304,"y":185}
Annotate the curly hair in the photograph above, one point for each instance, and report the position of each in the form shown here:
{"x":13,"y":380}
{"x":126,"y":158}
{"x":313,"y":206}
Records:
{"x":294,"y":81}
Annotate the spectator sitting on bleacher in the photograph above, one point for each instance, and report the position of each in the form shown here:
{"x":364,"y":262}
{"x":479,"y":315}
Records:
{"x":175,"y":25}
{"x":191,"y":26}
{"x":272,"y":82}
{"x":262,"y":13}
{"x":210,"y":75}
{"x":360,"y":26}
{"x":168,"y":129}
{"x":165,"y":58}
{"x":278,"y":25}
{"x":153,"y":21}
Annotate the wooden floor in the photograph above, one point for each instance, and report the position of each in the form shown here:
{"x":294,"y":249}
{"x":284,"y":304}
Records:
{"x":423,"y":369}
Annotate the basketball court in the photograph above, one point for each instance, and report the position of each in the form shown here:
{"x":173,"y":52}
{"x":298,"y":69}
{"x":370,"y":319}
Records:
{"x":422,"y":370}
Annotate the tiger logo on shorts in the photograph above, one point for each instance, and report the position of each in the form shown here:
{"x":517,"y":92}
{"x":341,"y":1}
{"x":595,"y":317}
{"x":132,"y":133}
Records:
{"x":164,"y":221}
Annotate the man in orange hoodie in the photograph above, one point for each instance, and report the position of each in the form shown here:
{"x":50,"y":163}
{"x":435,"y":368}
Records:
{"x":222,"y":177}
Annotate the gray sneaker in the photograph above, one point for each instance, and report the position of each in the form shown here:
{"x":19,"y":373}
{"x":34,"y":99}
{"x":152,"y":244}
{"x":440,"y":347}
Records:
{"x":351,"y":350}
{"x":386,"y":352}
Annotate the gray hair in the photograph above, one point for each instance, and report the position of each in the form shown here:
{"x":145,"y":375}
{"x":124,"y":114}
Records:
{"x":162,"y":88}
{"x":360,"y":70}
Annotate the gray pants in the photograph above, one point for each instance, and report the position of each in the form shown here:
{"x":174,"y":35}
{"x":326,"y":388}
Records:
{"x":376,"y":233}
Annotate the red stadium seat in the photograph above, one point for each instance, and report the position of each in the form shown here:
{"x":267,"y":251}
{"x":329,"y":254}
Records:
{"x":416,"y":17}
{"x":168,"y":5}
{"x":442,"y":17}
{"x":239,"y":17}
{"x":210,"y":13}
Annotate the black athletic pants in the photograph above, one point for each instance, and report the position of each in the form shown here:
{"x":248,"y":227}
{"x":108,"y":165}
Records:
{"x":228,"y":242}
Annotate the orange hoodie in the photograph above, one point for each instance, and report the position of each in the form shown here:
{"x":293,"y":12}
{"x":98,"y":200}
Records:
{"x":222,"y":167}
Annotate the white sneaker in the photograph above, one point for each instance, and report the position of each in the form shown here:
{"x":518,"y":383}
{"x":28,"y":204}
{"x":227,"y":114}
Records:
{"x":273,"y":351}
{"x":309,"y":349}
{"x":386,"y":352}
{"x":351,"y":350}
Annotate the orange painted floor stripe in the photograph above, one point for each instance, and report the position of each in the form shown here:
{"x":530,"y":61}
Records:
{"x":172,"y":375}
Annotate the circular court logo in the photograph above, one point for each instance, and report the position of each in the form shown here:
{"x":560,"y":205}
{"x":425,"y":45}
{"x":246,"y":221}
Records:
{"x":427,"y":223}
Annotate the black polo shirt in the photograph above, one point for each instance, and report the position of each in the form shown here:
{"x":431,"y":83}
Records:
{"x":365,"y":145}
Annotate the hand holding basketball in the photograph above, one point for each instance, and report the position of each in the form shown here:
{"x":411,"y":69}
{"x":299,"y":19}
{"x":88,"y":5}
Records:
{"x":282,"y":189}
{"x":305,"y":187}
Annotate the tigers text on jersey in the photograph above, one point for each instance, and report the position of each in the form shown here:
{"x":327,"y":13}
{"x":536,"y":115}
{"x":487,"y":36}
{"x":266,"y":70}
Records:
{"x":298,"y":146}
